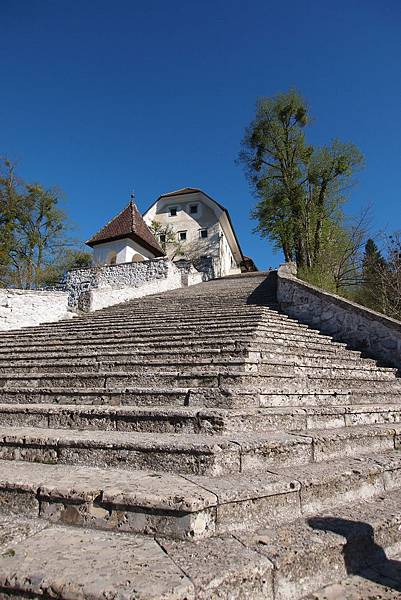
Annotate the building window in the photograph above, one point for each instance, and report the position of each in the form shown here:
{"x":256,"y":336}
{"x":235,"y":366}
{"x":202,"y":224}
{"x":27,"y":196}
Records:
{"x":162,"y":238}
{"x":182,"y":236}
{"x":203,"y":233}
{"x":137,"y":258}
{"x":193,"y":209}
{"x":173,"y":211}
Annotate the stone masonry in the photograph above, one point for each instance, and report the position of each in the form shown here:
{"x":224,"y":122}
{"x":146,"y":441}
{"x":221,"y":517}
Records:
{"x":21,"y":308}
{"x":196,"y":444}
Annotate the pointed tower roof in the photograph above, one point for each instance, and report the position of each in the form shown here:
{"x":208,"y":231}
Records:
{"x":128,"y":224}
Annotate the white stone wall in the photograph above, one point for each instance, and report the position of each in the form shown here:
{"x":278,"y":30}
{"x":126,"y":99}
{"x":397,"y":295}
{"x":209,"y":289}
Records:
{"x":346,"y":321}
{"x":25,"y":308}
{"x":98,"y":287}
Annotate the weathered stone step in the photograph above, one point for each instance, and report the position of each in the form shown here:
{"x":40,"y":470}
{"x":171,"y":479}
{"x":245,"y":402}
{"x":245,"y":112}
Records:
{"x":139,"y":419}
{"x":227,"y":397}
{"x":379,"y":581}
{"x":145,"y":335}
{"x":251,"y":363}
{"x":133,"y":396}
{"x":50,"y":362}
{"x":177,"y":453}
{"x":311,"y":380}
{"x":190,"y":506}
{"x":145,"y":502}
{"x":312,"y":358}
{"x":170,"y":419}
{"x":140,"y":326}
{"x":263,"y":333}
{"x":311,"y":553}
{"x":39,"y":560}
{"x":223,"y":343}
{"x":196,"y":454}
{"x":284,"y":562}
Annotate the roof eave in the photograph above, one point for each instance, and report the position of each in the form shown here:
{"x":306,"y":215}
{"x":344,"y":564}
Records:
{"x":131,"y":236}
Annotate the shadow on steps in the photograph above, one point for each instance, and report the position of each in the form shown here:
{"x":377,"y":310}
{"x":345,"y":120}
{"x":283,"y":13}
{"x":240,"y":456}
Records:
{"x":266,"y":293}
{"x":362,"y":556}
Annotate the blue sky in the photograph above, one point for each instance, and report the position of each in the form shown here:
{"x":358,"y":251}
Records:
{"x":100,"y":98}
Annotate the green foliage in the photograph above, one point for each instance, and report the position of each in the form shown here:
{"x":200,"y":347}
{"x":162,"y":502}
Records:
{"x":166,"y":237}
{"x":371,"y":290}
{"x":299,"y":188}
{"x":68,"y":260}
{"x":32,"y":229}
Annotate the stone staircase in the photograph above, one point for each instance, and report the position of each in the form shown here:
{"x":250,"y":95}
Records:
{"x":193,"y":444}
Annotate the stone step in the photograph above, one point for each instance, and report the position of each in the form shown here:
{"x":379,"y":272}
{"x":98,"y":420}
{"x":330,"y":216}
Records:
{"x":171,"y":419}
{"x":221,"y":343}
{"x":145,"y":502}
{"x":190,"y":507}
{"x":174,"y":453}
{"x":126,"y":334}
{"x":192,"y":364}
{"x":311,"y":553}
{"x":39,"y":560}
{"x":53,"y":362}
{"x":222,"y":397}
{"x":379,"y":581}
{"x":194,"y":420}
{"x":261,"y":333}
{"x":75,"y":327}
{"x":282,"y":562}
{"x":142,"y":397}
{"x":311,"y":381}
{"x":197,"y":454}
{"x":113,"y":347}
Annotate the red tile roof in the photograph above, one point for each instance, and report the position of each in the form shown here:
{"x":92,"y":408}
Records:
{"x":128,"y":224}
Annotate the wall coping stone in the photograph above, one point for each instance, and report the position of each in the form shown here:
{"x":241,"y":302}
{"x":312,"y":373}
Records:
{"x":366,"y":321}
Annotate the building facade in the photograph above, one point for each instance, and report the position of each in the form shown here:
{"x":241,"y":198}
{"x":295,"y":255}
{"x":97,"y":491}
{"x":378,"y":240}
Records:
{"x":194,"y":227}
{"x":126,"y":238}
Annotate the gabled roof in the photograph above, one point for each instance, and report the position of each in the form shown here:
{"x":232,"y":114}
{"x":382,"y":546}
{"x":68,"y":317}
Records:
{"x":128,"y":224}
{"x":180,"y":192}
{"x":189,"y":190}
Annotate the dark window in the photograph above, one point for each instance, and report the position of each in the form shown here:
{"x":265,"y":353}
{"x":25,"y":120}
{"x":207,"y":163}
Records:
{"x":173,"y":211}
{"x":182,"y":235}
{"x":162,"y":238}
{"x":203,"y":233}
{"x":193,"y":209}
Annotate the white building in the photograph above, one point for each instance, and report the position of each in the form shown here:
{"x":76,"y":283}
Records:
{"x":203,"y":231}
{"x":126,"y":238}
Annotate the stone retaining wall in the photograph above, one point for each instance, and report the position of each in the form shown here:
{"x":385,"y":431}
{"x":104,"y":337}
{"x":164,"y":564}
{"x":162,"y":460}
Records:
{"x":94,"y":288}
{"x":24,"y":308}
{"x":360,"y":327}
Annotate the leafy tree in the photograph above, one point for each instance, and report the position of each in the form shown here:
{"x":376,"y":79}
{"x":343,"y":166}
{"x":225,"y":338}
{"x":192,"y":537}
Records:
{"x":371,"y":291}
{"x":32,"y":229}
{"x":9,"y":199}
{"x":167,"y":238}
{"x":67,"y":260}
{"x":299,"y":188}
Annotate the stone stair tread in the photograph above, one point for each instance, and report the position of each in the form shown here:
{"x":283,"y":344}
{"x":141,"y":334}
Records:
{"x":308,"y":554}
{"x":41,"y":560}
{"x":169,"y":441}
{"x":373,"y":584}
{"x":149,"y":489}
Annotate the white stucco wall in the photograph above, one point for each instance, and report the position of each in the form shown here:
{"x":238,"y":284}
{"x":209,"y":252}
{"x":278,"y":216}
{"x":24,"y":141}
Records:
{"x":25,"y":308}
{"x":124,"y":250}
